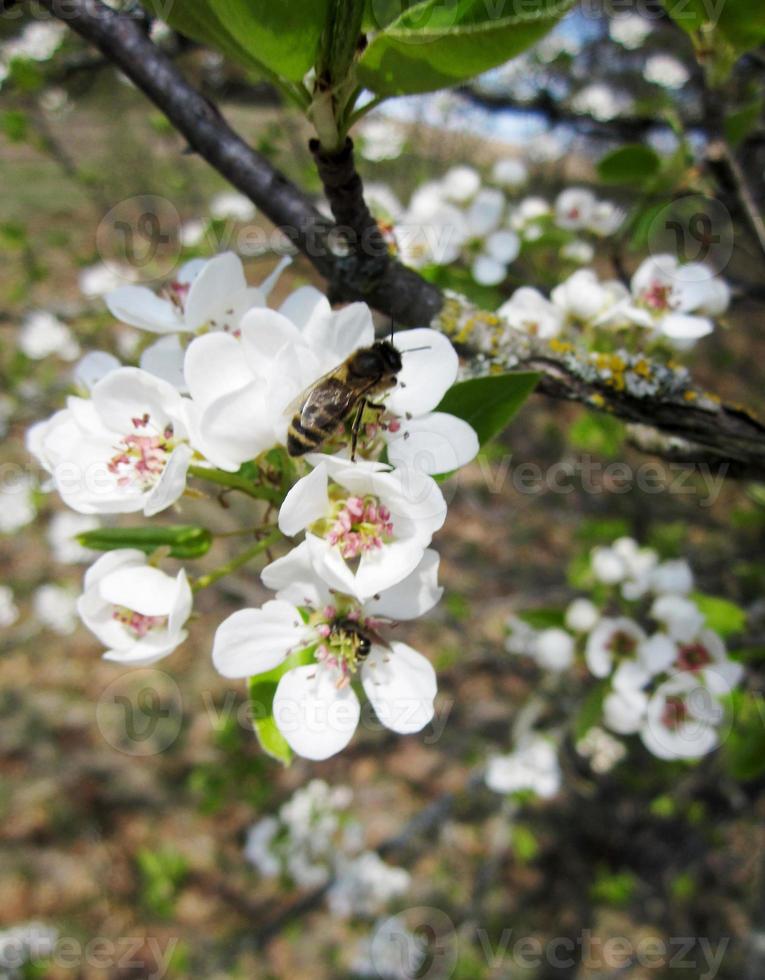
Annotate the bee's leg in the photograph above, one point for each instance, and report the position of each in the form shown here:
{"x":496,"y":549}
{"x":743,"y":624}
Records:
{"x":356,"y":427}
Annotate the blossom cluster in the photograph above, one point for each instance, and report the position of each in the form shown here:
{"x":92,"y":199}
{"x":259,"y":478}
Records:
{"x":667,"y":302}
{"x":462,"y":217}
{"x":312,"y":841}
{"x":644,"y":635}
{"x":212,"y":399}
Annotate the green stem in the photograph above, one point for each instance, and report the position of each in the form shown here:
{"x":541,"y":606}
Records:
{"x":241,"y":559}
{"x":359,"y":113}
{"x":232,"y":481}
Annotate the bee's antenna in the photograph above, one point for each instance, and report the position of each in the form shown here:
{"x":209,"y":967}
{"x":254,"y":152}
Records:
{"x":411,"y":350}
{"x":391,"y":329}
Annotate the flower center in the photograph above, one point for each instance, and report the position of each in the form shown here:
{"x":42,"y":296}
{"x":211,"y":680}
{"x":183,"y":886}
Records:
{"x":136,"y":623}
{"x":622,"y":644}
{"x":693,"y":656}
{"x":177,"y":293}
{"x":141,"y":455}
{"x":346,"y":637}
{"x":357,"y":525}
{"x":658,"y":297}
{"x":675,"y":713}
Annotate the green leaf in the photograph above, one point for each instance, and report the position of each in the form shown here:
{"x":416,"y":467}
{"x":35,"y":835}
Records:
{"x":744,"y":746}
{"x":740,"y":124}
{"x":14,"y":125}
{"x":595,"y":432}
{"x":591,"y":710}
{"x":542,"y":619}
{"x":184,"y":540}
{"x":630,"y":164}
{"x":721,"y":31}
{"x":436,"y":44}
{"x":488,"y":404}
{"x":722,"y":616}
{"x":281,"y":35}
{"x":262,"y":689}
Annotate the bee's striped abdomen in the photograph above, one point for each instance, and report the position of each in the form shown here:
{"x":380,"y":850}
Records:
{"x":324,"y":410}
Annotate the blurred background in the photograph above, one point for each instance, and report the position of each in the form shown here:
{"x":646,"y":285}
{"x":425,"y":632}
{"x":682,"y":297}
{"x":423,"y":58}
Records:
{"x":126,"y":799}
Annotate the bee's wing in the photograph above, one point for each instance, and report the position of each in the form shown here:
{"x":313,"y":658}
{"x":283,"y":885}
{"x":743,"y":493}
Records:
{"x":295,"y":407}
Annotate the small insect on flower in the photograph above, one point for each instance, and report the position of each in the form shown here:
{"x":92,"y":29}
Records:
{"x":352,"y":385}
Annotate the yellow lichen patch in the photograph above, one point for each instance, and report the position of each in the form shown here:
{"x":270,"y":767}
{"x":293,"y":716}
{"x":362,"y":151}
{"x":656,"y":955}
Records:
{"x":690,"y":395}
{"x":642,"y":367}
{"x":560,"y":346}
{"x":598,"y":400}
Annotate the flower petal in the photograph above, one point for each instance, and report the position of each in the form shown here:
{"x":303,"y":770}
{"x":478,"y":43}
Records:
{"x":221,"y":278}
{"x":145,"y":590}
{"x":252,"y":641}
{"x":214,"y":367}
{"x":305,"y":503}
{"x":140,"y":307}
{"x":293,"y":579}
{"x":412,"y":597}
{"x":164,"y":359}
{"x":426,"y":375}
{"x":316,"y":718}
{"x":171,"y":483}
{"x":401,"y":685}
{"x":432,"y":443}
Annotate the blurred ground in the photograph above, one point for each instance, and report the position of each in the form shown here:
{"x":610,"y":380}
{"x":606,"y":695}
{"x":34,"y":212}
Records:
{"x":104,"y":843}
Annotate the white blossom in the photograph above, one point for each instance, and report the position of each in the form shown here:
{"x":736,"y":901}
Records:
{"x":210,"y":293}
{"x":124,"y":449}
{"x":665,"y":70}
{"x":17,"y":506}
{"x":62,"y":534}
{"x":509,"y":172}
{"x":603,"y":750}
{"x":382,"y":139}
{"x":9,"y":611}
{"x":554,"y":649}
{"x":366,"y":526}
{"x":682,"y":719}
{"x":364,"y":885}
{"x":629,"y":30}
{"x":612,"y":640}
{"x":582,"y":615}
{"x":43,"y":334}
{"x":460,"y":184}
{"x":528,"y":310}
{"x":137,"y":611}
{"x":315,"y":707}
{"x":533,"y":765}
{"x":231,"y":204}
{"x":675,"y":301}
{"x":56,"y":608}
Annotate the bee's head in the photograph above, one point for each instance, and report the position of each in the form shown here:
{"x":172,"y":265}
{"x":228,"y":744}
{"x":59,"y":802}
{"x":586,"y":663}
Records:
{"x":389,"y":355}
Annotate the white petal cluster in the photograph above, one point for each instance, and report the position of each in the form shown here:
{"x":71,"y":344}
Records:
{"x":315,"y":706}
{"x":218,"y":390}
{"x":463,"y":218}
{"x":137,"y":611}
{"x":664,"y":673}
{"x":666,"y":301}
{"x":313,"y":841}
{"x":532,"y":766}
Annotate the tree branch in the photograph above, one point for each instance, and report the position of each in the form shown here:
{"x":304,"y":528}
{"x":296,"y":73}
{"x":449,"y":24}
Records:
{"x":666,"y":400}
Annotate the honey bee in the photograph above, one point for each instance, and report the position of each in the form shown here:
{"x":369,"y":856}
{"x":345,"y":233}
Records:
{"x":362,"y":637}
{"x":368,"y":373}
